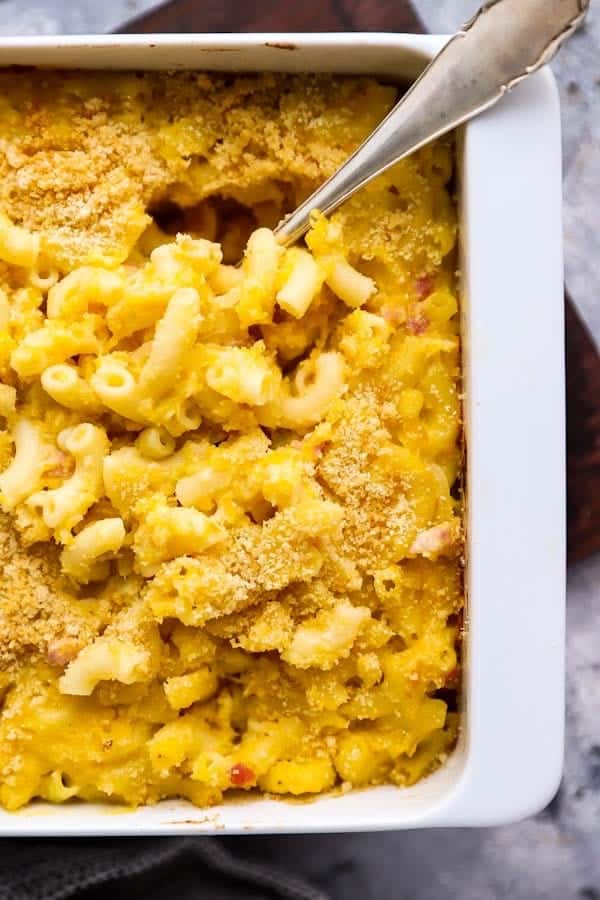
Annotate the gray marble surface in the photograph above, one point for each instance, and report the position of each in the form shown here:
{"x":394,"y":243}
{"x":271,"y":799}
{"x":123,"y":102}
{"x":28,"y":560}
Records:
{"x":68,"y":16}
{"x":556,"y":855}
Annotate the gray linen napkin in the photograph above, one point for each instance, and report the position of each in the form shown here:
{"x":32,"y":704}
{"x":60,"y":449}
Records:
{"x":150,"y":868}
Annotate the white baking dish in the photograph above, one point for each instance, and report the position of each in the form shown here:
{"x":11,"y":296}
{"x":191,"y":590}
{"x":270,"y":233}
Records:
{"x":509,"y":759}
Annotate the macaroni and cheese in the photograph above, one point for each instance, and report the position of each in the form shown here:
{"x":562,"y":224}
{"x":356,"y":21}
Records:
{"x":230,"y":526}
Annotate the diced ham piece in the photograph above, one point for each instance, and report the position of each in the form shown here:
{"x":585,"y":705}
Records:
{"x":424,"y":286}
{"x":62,"y":651}
{"x":393,"y":315}
{"x":434,"y":541}
{"x":417,"y":324}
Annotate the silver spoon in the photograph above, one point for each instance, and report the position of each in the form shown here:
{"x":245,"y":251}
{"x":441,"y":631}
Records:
{"x":505,"y":42}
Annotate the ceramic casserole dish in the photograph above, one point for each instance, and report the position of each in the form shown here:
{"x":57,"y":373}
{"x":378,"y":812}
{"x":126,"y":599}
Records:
{"x":508,"y":761}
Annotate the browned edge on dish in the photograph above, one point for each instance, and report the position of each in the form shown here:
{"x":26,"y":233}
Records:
{"x":583,"y":360}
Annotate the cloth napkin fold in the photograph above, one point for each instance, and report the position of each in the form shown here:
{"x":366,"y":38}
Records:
{"x":182,"y":868}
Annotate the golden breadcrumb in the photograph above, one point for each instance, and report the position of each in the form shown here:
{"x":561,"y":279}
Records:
{"x":38,"y":614}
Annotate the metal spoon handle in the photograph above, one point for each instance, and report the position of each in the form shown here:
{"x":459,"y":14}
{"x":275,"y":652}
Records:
{"x":505,"y":42}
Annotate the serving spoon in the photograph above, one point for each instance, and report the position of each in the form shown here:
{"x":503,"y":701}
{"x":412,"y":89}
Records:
{"x":504,"y":43}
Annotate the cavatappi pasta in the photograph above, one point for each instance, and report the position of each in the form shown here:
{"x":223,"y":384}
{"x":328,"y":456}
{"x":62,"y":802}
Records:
{"x":230,"y":539}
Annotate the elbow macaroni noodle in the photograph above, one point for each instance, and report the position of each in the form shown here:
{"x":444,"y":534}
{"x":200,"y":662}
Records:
{"x":64,"y":506}
{"x":66,"y":386}
{"x":239,"y":480}
{"x":83,"y":558}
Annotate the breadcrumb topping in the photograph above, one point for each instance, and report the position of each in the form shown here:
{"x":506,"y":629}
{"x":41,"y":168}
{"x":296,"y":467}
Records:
{"x":38,"y":615}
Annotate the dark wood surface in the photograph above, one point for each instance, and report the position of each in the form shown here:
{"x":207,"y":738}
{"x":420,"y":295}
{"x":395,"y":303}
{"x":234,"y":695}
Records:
{"x":583,"y":439}
{"x":583,"y":360}
{"x":279,"y":15}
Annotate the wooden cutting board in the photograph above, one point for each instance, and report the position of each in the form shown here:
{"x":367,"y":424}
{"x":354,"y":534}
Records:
{"x":583,"y":360}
